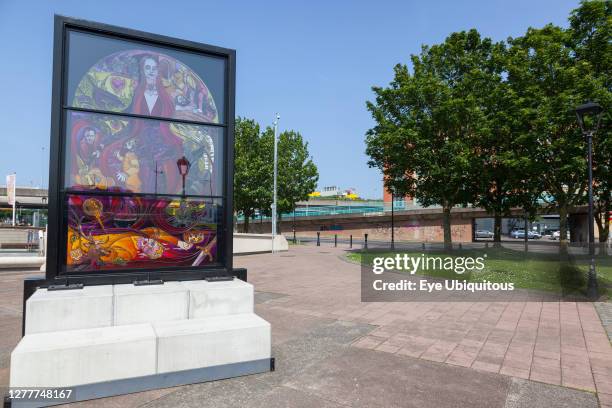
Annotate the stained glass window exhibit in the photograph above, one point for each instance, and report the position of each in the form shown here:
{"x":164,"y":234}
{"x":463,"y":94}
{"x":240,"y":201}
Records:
{"x":142,"y":180}
{"x":133,"y":155}
{"x":118,"y":232}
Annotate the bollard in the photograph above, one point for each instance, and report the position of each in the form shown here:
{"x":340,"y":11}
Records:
{"x":366,"y":241}
{"x":351,"y":241}
{"x":294,"y":240}
{"x":335,"y":240}
{"x":318,"y":239}
{"x":460,"y":247}
{"x":486,"y":245}
{"x":422,"y":245}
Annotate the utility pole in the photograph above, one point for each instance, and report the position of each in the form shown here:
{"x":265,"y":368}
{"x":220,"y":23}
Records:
{"x":392,"y":221}
{"x":275,"y":176}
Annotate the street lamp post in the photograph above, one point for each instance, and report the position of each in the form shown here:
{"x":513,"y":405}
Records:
{"x":183,"y":166}
{"x":392,"y":221}
{"x":158,"y":172}
{"x":595,"y":110}
{"x":275,"y":176}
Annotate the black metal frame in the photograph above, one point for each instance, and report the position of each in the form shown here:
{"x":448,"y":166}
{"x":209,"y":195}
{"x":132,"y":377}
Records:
{"x":57,"y":238}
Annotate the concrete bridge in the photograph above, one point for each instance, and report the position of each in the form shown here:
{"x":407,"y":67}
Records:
{"x":332,"y":217}
{"x":418,"y":224}
{"x":26,"y":197}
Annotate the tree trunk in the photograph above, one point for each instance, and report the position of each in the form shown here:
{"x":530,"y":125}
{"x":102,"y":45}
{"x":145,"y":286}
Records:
{"x":245,"y":226}
{"x":497,"y":229}
{"x":563,"y":229}
{"x":279,"y":219}
{"x":526,"y":236}
{"x":603,"y":211}
{"x":448,"y":240}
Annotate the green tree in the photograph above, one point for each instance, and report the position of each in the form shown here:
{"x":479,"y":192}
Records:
{"x":543,"y":73}
{"x":254,"y":166}
{"x":428,"y":122}
{"x":590,"y":34}
{"x":297,"y":173}
{"x":504,"y":167}
{"x":252,"y":185}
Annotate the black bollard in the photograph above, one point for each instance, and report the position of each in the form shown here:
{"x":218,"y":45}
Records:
{"x":351,"y":241}
{"x":335,"y":240}
{"x":318,"y":239}
{"x":366,"y":241}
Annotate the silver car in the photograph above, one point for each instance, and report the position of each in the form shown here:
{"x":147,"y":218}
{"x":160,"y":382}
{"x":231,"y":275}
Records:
{"x":484,"y":234}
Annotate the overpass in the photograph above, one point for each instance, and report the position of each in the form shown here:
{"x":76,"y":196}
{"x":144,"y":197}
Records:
{"x":339,"y":217}
{"x":26,"y":198}
{"x":414,"y":224}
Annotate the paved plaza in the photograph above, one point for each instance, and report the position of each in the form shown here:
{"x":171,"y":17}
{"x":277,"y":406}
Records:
{"x":332,"y":350}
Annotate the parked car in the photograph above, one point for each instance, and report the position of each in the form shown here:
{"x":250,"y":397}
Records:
{"x":484,"y":234}
{"x":517,"y":233}
{"x":548,"y":233}
{"x":520,"y":234}
{"x":557,"y":234}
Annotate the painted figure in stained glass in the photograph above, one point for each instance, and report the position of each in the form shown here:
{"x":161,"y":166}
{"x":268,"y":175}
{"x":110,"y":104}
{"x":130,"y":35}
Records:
{"x":126,"y":154}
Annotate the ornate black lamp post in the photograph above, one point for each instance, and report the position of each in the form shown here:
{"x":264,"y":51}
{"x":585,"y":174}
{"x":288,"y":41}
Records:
{"x":392,"y":220}
{"x":594,"y":110}
{"x":183,"y":166}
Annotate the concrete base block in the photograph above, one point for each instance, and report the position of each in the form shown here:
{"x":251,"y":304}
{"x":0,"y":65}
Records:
{"x":74,"y":357}
{"x":48,"y":311}
{"x":213,"y":341}
{"x":208,"y":299}
{"x":150,"y":303}
{"x":258,"y":243}
{"x":110,"y":340}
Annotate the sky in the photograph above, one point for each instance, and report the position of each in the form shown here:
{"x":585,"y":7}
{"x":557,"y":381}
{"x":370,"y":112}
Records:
{"x":314,"y":62}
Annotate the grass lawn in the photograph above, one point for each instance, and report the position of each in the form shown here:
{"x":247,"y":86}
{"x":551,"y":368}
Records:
{"x":526,"y":270}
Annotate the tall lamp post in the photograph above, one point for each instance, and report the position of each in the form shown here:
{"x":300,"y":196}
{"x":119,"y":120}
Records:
{"x":275,"y":175}
{"x":594,"y":110}
{"x":183,"y":166}
{"x":392,"y":220}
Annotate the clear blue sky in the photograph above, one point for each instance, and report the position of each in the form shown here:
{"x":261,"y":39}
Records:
{"x":314,"y":62}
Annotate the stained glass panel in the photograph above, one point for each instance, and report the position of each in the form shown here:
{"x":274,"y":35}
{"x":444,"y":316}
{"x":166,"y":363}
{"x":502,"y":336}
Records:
{"x":117,"y":232}
{"x":123,"y":76}
{"x":122,"y":154}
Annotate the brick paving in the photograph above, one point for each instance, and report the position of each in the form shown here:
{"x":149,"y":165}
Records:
{"x":604,"y":309}
{"x":560,"y":343}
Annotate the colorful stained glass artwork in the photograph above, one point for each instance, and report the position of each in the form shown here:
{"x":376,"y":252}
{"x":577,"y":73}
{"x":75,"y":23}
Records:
{"x":135,"y":155}
{"x":146,"y":83}
{"x":117,"y":232}
{"x":129,"y":202}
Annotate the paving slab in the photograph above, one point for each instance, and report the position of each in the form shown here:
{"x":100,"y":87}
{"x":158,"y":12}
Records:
{"x":325,"y":342}
{"x":530,"y":394}
{"x":367,"y":378}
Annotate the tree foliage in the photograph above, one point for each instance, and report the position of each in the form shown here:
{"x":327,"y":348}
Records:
{"x":427,"y":123}
{"x":251,"y":170}
{"x":493,"y":124}
{"x":254,"y":167}
{"x":590,"y":36}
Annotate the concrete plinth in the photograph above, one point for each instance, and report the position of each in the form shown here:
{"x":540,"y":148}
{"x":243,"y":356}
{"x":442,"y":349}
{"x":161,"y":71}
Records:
{"x":213,"y":341}
{"x":150,"y":303}
{"x":110,"y":340}
{"x":208,"y":299}
{"x":48,"y":311}
{"x":75,"y":357}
